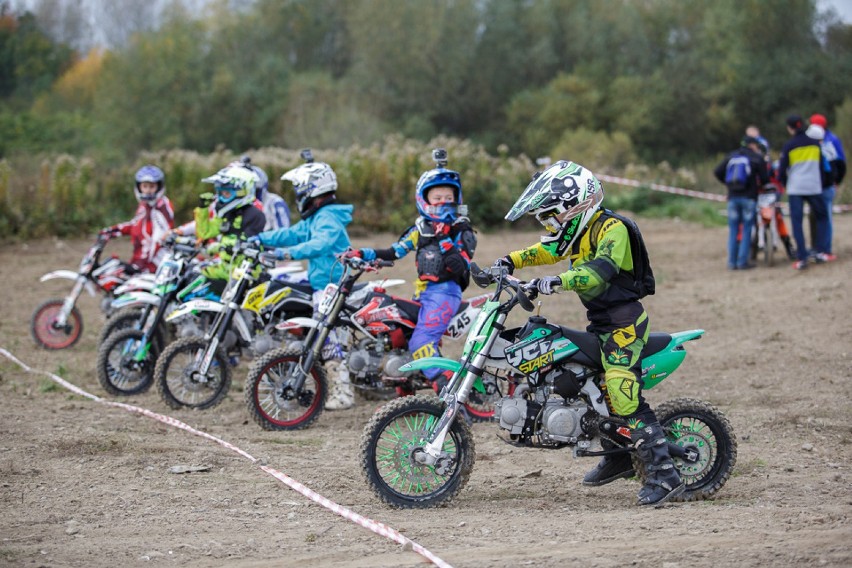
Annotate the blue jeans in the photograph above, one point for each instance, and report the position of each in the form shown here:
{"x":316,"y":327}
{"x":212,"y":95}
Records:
{"x":438,"y":304}
{"x":741,"y":210}
{"x":828,"y":198}
{"x":817,"y":205}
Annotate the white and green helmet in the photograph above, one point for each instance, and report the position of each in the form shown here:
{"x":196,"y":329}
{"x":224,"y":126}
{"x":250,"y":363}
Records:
{"x":235,"y":188}
{"x":563,"y":198}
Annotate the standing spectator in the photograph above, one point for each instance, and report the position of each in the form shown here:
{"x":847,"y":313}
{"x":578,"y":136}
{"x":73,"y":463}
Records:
{"x":799,"y":170}
{"x":832,"y":150}
{"x":743,"y":172}
{"x":754,"y":132}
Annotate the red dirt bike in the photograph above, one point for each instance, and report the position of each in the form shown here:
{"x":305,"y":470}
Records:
{"x":770,"y":231}
{"x":286,"y":388}
{"x":58,"y":324}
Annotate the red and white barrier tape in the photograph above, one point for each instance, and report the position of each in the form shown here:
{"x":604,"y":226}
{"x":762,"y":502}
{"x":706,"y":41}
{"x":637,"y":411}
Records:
{"x":660,"y":187}
{"x":374,"y":526}
{"x":837,"y":208}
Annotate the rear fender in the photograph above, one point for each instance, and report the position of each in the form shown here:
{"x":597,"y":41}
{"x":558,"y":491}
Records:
{"x":663,"y":363}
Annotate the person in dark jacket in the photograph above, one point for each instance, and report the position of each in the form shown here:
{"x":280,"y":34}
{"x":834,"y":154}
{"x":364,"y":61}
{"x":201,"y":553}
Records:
{"x":743,"y":172}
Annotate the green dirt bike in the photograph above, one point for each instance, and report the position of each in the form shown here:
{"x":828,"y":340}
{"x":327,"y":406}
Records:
{"x":416,"y":453}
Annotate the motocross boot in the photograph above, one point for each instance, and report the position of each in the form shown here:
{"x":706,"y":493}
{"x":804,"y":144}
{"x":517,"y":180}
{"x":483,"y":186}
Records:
{"x":341,"y":396}
{"x":610,"y":468}
{"x":662,"y":481}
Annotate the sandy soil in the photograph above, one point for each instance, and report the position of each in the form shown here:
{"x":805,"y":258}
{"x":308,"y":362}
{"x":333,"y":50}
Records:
{"x":83,"y":484}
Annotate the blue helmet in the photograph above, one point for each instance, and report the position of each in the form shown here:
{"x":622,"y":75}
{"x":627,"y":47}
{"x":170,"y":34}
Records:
{"x":150,"y":174}
{"x":439,"y":177}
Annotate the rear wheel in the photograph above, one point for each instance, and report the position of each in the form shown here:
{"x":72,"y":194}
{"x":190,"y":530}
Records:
{"x":705,"y":437}
{"x":125,"y":365}
{"x":47,"y":333}
{"x":480,"y":404}
{"x":392,"y":438}
{"x":271,"y":399}
{"x":181,"y":383}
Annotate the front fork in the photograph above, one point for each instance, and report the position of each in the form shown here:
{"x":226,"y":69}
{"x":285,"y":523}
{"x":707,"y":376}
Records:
{"x":454,"y":396}
{"x":69,"y":302}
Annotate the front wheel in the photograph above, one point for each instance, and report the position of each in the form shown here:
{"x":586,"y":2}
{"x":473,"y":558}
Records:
{"x":179,"y":380}
{"x":708,"y":441}
{"x":771,"y":242}
{"x":392,"y":438}
{"x":272,"y":400}
{"x":47,"y":333}
{"x":126,"y":364}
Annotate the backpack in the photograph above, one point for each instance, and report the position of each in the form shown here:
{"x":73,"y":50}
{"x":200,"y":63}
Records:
{"x":643,"y":275}
{"x":737,"y":172}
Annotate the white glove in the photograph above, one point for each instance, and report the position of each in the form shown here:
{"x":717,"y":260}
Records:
{"x":549,"y":285}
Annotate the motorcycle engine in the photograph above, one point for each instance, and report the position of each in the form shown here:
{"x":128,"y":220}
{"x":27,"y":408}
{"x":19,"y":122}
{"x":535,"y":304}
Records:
{"x":263,"y":342}
{"x":373,"y":360}
{"x":189,"y":327}
{"x":560,"y":422}
{"x":396,"y":359}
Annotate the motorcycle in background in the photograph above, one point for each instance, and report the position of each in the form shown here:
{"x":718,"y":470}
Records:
{"x":57,"y":323}
{"x":286,"y":388}
{"x":416,"y":453}
{"x":134,"y":338}
{"x":766,"y":239}
{"x":194,"y":372}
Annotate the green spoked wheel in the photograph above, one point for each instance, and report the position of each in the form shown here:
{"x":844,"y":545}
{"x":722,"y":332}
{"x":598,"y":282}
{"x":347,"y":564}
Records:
{"x":708,"y":442}
{"x":392,"y":438}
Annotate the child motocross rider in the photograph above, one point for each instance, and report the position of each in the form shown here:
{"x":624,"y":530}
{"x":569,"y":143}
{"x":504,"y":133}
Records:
{"x":566,"y":199}
{"x":444,"y":243}
{"x":154,"y":218}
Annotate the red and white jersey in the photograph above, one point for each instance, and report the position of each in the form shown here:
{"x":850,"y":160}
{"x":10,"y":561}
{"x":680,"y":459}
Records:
{"x":149,"y":225}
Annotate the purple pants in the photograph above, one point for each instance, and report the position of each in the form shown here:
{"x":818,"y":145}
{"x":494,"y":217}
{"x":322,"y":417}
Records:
{"x":438,"y":304}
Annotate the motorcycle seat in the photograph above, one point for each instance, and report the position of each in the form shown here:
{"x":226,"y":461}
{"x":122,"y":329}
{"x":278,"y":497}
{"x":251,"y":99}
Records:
{"x":590,"y":346}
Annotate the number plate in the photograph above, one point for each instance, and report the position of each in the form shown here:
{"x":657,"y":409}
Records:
{"x":327,"y":300}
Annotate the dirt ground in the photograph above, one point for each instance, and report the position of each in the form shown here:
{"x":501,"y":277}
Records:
{"x":83,"y":484}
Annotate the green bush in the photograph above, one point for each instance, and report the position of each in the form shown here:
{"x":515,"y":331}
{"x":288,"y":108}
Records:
{"x":64,"y":195}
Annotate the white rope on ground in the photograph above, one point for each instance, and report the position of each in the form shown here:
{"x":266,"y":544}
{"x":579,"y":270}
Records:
{"x":837,"y":208}
{"x":374,"y":526}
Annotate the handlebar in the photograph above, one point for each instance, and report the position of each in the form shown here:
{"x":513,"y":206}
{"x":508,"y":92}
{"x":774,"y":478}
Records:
{"x":525,"y":292}
{"x":358,"y":263}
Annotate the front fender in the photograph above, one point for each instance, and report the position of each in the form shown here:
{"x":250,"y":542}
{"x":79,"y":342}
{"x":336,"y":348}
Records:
{"x":195,"y":306}
{"x":296,"y":323}
{"x":432,"y":362}
{"x":136,"y":299}
{"x":67,"y":275}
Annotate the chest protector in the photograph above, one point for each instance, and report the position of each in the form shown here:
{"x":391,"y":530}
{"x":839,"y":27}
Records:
{"x":444,"y":251}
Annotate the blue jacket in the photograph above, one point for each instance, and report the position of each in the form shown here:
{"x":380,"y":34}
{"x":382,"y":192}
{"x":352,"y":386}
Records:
{"x":832,"y":149}
{"x":318,"y":239}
